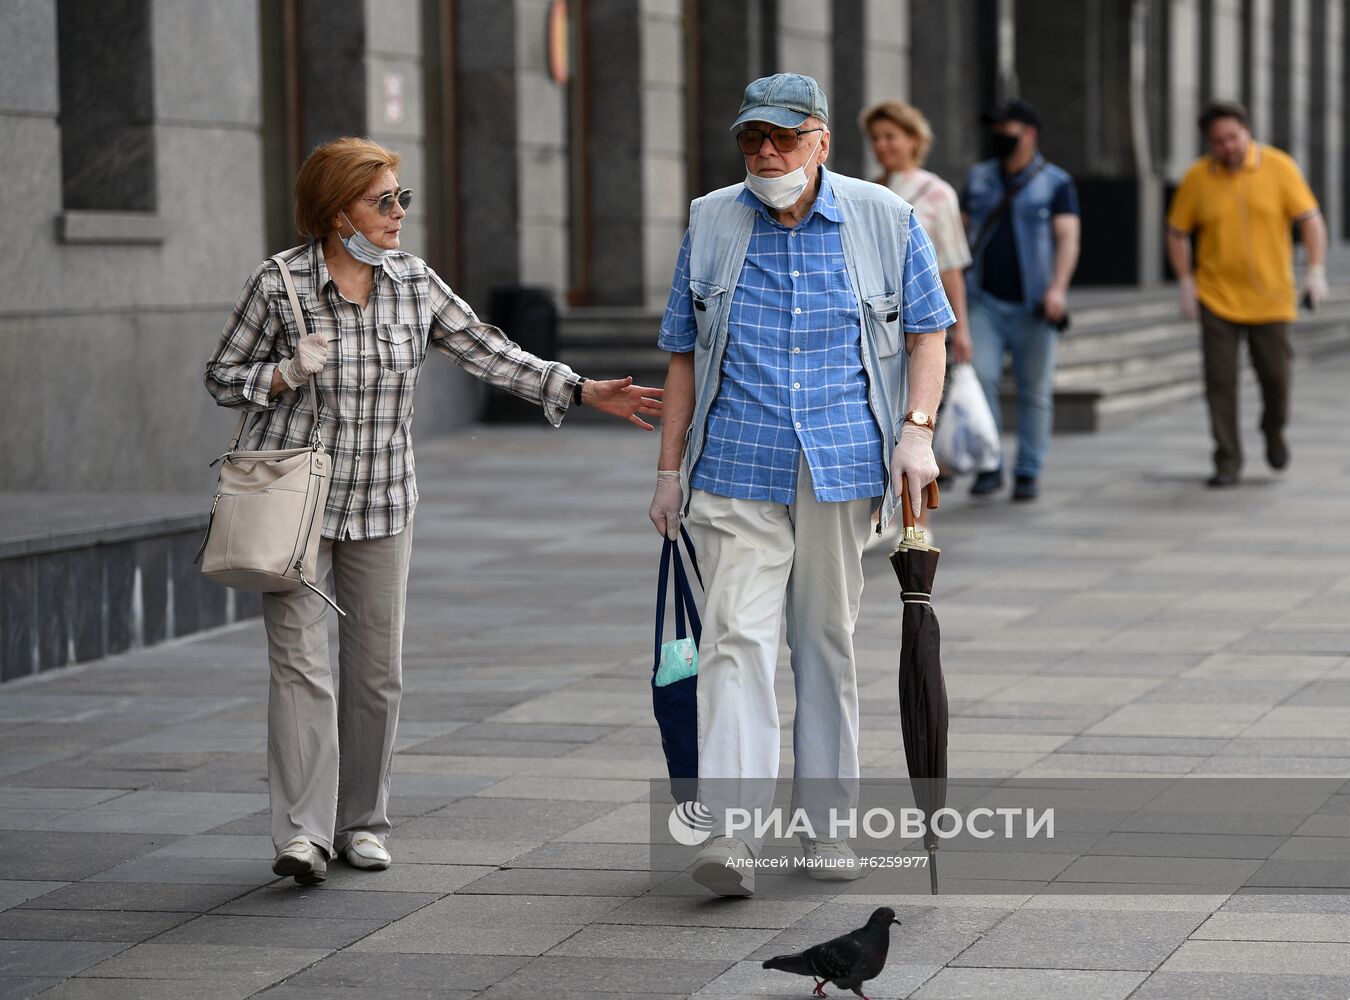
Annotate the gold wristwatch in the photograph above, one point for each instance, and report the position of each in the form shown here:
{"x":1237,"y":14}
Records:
{"x":921,"y":418}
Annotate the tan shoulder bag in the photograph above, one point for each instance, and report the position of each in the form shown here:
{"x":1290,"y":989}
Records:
{"x":267,"y":515}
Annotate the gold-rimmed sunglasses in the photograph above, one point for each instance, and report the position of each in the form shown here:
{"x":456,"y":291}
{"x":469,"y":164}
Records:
{"x":384,"y":204}
{"x":749,"y":140}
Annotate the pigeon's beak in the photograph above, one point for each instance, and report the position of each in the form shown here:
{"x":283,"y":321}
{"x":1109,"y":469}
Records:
{"x":896,"y":921}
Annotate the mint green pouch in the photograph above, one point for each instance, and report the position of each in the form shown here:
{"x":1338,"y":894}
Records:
{"x":679,"y":659}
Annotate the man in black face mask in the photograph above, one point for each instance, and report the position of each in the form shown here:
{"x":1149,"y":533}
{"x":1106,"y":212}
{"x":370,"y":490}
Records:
{"x":1022,"y":215}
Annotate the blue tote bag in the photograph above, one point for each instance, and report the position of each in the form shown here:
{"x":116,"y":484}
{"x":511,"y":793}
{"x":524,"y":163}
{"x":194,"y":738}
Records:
{"x":675,"y":670}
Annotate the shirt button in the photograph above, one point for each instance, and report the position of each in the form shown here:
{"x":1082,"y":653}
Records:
{"x":798,"y":425}
{"x":796,"y":274}
{"x":792,"y":235}
{"x":796,"y":350}
{"x":798,"y":310}
{"x":796,"y":385}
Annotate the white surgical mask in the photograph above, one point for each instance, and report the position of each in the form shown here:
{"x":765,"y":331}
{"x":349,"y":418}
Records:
{"x":361,"y":248}
{"x":783,"y":191}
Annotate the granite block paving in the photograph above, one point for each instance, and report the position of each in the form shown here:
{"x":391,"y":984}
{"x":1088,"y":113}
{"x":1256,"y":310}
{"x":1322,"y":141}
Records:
{"x":1098,"y":651}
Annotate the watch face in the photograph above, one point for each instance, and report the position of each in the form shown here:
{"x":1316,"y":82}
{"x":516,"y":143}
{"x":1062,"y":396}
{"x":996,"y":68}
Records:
{"x":919,"y":417}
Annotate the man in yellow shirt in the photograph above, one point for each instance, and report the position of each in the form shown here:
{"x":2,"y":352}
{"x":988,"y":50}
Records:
{"x":1241,"y":200}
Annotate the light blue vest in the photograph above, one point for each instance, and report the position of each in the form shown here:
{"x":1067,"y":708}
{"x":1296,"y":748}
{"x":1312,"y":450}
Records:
{"x":874,"y":232}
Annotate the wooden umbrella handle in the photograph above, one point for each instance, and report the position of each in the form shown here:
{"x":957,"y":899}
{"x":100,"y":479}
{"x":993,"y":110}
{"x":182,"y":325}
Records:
{"x":907,"y":512}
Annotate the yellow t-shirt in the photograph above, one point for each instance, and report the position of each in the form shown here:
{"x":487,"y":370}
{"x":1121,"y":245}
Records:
{"x":1244,"y":254}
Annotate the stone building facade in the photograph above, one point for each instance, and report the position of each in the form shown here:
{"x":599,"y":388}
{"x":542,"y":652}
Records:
{"x":150,"y":147}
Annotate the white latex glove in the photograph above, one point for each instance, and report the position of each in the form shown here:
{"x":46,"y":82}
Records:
{"x":1186,"y":300}
{"x":311,"y":354}
{"x":667,"y":504}
{"x":1315,"y":285}
{"x":913,"y":457}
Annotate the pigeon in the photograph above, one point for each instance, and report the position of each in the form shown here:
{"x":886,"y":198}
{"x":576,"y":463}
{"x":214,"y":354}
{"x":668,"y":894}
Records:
{"x":847,"y":961}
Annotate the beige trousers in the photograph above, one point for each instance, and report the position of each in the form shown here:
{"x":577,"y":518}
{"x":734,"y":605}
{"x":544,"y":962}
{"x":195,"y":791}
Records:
{"x":758,"y":556}
{"x":328,"y":758}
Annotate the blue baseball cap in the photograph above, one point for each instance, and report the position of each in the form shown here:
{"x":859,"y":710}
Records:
{"x":785,"y":99}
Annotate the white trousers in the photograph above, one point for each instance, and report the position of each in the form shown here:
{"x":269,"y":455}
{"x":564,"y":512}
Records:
{"x":758,"y":556}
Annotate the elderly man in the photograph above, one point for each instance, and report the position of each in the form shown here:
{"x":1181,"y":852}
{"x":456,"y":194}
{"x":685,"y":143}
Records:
{"x":801,"y":387}
{"x":1243,"y":198}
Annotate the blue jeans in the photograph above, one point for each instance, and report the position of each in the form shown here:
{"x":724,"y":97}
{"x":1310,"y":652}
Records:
{"x":997,"y":328}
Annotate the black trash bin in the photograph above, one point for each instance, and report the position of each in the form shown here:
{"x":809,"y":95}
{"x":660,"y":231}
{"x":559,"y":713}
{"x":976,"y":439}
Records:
{"x":530,"y":318}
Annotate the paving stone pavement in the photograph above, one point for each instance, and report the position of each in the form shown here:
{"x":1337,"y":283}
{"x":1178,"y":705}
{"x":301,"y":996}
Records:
{"x":1132,"y":623}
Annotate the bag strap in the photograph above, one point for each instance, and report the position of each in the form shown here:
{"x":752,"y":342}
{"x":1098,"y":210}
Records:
{"x":662,"y":579}
{"x":689,"y":547}
{"x":992,"y":219}
{"x":684,"y":595}
{"x":686,"y":609}
{"x":918,"y":195}
{"x":304,"y":332}
{"x":313,"y":389}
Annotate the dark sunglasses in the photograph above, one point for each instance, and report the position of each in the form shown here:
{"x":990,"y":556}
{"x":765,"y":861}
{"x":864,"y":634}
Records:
{"x":384,"y":204}
{"x":785,"y":140}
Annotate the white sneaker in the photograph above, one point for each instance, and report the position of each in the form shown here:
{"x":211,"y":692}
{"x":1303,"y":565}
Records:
{"x":365,"y":851}
{"x":831,"y":860}
{"x":303,"y":860}
{"x":725,"y":866}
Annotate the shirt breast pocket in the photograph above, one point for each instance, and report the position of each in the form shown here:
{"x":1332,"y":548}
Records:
{"x":708,"y":298}
{"x":400,"y":347}
{"x":883,"y":320}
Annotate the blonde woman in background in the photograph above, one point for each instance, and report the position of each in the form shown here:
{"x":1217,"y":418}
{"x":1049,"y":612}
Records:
{"x":901,"y":137}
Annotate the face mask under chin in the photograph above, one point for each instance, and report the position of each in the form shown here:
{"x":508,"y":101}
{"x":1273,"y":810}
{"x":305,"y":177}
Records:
{"x":361,"y":248}
{"x":781,"y":192}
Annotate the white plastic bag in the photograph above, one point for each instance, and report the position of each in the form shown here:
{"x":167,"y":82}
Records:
{"x":967,"y":437}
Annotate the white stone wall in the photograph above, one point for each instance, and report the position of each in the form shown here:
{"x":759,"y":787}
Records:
{"x":1262,"y":29}
{"x":804,"y":40}
{"x":1184,"y":68}
{"x":208,"y":159}
{"x":109,"y":340}
{"x":1226,"y":45}
{"x":1301,"y":43}
{"x":665,"y":202}
{"x":395,"y":90}
{"x":541,"y":110}
{"x":886,"y":66}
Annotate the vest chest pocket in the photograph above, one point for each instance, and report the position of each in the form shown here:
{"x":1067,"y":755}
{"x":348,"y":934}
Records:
{"x":708,"y":298}
{"x":883,"y":319}
{"x":399,"y":346}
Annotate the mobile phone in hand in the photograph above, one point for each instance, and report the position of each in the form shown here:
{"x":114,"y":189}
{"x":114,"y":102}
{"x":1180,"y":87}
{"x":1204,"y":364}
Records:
{"x":1061,"y":325}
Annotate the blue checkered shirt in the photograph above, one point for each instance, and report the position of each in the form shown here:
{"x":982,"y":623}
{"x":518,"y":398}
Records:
{"x":792,"y":375}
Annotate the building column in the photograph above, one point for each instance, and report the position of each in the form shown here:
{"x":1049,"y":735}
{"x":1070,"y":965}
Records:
{"x":1334,"y":205}
{"x":947,"y":81}
{"x":852,"y":58}
{"x":665,"y":201}
{"x":1087,"y":96}
{"x":632,"y":203}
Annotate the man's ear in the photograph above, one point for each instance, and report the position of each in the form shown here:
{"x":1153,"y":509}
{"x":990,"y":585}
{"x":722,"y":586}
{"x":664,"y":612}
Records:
{"x":824,"y":145}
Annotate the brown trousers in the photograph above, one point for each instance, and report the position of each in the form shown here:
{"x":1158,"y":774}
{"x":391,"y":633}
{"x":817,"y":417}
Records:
{"x":1271,"y":351}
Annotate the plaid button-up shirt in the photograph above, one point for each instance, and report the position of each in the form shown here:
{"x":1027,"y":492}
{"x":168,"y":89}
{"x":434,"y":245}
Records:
{"x":793,"y":376}
{"x":366,"y":388}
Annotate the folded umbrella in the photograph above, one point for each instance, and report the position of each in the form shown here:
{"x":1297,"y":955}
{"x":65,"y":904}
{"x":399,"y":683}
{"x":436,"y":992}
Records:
{"x":923,"y":693}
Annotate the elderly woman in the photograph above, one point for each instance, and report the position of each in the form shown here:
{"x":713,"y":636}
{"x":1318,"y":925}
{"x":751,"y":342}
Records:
{"x":372,"y":312}
{"x":901,"y":138}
